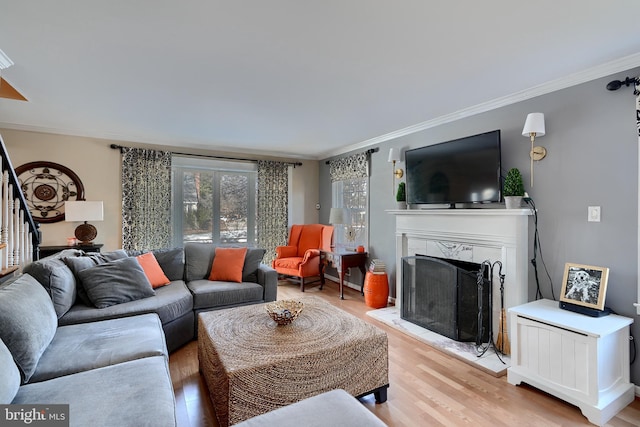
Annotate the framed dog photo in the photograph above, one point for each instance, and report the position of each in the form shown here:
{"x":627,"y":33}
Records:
{"x":584,"y":285}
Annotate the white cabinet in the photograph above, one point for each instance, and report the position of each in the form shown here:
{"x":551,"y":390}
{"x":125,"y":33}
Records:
{"x":580,"y":359}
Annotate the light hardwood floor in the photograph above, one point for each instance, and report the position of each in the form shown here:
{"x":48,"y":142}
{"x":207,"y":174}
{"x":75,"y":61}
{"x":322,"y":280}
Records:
{"x":427,"y":387}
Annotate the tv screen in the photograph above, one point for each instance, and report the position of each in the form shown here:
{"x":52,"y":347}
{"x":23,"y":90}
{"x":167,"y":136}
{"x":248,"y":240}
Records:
{"x":465,"y":170}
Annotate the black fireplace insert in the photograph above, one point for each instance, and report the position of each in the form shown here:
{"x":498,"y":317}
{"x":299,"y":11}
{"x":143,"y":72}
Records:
{"x":443,"y":296}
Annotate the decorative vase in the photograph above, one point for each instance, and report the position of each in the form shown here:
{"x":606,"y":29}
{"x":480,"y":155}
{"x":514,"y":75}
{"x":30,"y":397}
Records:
{"x":513,"y":202}
{"x":402,"y":205}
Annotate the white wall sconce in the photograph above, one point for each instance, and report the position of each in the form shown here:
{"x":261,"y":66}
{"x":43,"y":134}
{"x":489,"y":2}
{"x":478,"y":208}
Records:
{"x":534,"y":126}
{"x":394,"y":156}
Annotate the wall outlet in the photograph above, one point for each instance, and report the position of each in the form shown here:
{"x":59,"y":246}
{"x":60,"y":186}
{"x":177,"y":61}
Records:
{"x":593,"y":214}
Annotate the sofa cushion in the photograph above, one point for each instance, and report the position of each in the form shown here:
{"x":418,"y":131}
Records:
{"x":115,"y":282}
{"x":171,"y":261}
{"x":57,"y":279}
{"x":170,"y":302}
{"x":152,"y":270}
{"x":251,"y":263}
{"x":9,"y":376}
{"x":227,"y":264}
{"x":199,"y":258}
{"x":28,"y":322}
{"x":335,"y":408}
{"x":209,"y":294}
{"x":134,"y":393}
{"x":98,"y":344}
{"x":88,"y":260}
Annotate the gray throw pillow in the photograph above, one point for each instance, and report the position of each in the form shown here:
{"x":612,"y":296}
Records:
{"x":28,"y":322}
{"x":115,"y":282}
{"x":251,"y":263}
{"x":91,"y":259}
{"x":9,"y":376}
{"x":171,"y":261}
{"x":198,"y":258}
{"x":58,"y":280}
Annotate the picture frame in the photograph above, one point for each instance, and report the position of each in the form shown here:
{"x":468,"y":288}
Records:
{"x":584,"y":285}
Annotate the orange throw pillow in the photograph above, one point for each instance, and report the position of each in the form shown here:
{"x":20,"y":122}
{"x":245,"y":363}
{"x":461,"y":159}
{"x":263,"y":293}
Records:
{"x":227,"y":264}
{"x":152,"y":270}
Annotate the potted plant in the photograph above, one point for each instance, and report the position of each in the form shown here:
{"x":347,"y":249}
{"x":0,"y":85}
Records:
{"x":401,"y":196}
{"x":513,"y":189}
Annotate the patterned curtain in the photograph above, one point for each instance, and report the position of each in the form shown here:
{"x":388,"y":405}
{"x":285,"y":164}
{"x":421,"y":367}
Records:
{"x":355,"y":166}
{"x":146,"y":199}
{"x":273,"y":221}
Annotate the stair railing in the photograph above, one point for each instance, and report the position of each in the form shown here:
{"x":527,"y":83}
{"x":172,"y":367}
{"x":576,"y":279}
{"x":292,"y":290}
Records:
{"x":19,"y":233}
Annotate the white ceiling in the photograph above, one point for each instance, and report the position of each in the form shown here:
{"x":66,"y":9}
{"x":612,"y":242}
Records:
{"x":293,"y":77}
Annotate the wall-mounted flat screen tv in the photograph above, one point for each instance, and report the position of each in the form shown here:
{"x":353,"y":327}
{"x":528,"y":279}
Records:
{"x":465,"y":170}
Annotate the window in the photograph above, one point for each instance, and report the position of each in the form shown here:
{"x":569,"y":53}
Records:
{"x":352,"y":195}
{"x":214,"y":201}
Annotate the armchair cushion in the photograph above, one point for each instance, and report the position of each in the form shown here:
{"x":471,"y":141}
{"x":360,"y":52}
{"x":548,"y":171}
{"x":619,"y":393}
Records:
{"x":290,"y":262}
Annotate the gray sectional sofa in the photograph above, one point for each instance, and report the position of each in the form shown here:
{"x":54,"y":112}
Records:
{"x":177,"y":303}
{"x":110,"y":365}
{"x":110,"y":372}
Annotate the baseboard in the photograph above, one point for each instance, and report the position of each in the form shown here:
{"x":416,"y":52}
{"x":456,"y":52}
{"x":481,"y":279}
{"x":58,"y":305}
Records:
{"x":638,"y":391}
{"x":351,"y":285}
{"x":344,"y":282}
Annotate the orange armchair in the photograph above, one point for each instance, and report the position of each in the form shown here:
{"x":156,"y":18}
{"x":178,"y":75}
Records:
{"x":300,"y":257}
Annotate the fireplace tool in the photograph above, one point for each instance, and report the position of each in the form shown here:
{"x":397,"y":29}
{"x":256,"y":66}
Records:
{"x":485,"y":267}
{"x":502,"y":342}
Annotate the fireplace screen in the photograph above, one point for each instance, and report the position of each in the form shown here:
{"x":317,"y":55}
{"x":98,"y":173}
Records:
{"x":442,"y":296}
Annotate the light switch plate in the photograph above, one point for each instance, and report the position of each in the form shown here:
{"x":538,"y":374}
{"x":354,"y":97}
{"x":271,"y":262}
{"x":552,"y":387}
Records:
{"x":593,"y":213}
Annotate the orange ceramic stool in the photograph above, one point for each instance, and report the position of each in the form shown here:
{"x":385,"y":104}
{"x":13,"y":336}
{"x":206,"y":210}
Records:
{"x":376,"y":290}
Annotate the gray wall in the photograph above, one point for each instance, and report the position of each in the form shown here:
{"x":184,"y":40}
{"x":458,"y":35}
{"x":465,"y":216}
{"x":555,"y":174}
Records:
{"x":592,"y":159}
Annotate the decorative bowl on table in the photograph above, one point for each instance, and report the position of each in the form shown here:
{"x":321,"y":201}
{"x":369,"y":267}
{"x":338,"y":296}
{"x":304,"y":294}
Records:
{"x":284,"y":312}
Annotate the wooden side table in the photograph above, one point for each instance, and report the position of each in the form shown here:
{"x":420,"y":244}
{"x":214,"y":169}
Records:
{"x":342,"y":261}
{"x":45,"y":251}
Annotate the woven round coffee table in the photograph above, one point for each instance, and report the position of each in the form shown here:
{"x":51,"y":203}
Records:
{"x":252,"y":365}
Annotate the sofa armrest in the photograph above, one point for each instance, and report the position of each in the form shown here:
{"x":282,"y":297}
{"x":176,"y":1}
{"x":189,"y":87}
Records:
{"x":268,"y":278}
{"x":286,"y":251}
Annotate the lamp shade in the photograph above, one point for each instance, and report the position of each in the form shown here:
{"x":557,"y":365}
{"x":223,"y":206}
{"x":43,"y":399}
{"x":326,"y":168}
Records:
{"x":83,"y":211}
{"x":394,"y":155}
{"x":534,"y":124}
{"x":336,"y":216}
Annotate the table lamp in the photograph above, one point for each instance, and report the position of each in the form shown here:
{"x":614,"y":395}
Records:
{"x":84,"y":211}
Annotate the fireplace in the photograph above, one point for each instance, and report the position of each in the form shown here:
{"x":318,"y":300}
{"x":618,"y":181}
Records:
{"x":443,"y":296}
{"x":470,"y":235}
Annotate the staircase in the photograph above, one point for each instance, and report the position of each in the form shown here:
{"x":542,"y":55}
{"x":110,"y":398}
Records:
{"x":19,"y":233}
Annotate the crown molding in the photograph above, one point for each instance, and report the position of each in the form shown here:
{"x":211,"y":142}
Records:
{"x":5,"y":62}
{"x":172,"y":144}
{"x":603,"y":70}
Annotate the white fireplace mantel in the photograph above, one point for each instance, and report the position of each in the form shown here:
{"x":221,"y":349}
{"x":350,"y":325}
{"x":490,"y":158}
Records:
{"x":474,"y":235}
